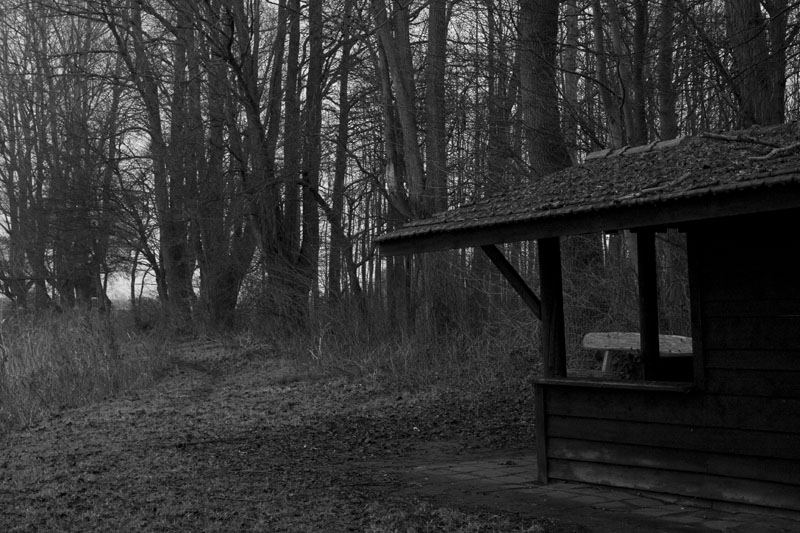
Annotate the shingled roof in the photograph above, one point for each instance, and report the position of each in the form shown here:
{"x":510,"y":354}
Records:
{"x":686,"y":179}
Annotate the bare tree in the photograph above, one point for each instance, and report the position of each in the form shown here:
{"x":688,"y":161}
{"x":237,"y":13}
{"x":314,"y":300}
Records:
{"x":758,"y":46}
{"x":668,"y":120}
{"x":538,"y":27}
{"x":338,"y":238}
{"x":60,"y":117}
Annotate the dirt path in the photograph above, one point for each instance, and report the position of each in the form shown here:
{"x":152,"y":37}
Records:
{"x":224,"y":442}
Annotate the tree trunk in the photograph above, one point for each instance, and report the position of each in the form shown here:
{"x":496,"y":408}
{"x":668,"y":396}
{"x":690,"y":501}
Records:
{"x":569,"y":60}
{"x":638,"y":135}
{"x":538,"y":27}
{"x":309,"y":248}
{"x":611,"y":103}
{"x":435,"y":136}
{"x":340,"y":166}
{"x":292,"y":137}
{"x":177,"y":277}
{"x":631,"y":69}
{"x":394,"y":37}
{"x":668,"y":120}
{"x":759,"y":65}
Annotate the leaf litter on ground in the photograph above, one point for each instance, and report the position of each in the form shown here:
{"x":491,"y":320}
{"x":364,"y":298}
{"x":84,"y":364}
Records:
{"x":223,"y":442}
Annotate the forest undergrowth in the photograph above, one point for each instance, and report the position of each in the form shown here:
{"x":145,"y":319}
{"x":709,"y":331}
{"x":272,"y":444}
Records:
{"x":497,"y":354}
{"x":59,"y":360}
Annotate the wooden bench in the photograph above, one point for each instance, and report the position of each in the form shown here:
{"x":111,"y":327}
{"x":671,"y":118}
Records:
{"x":622,"y":341}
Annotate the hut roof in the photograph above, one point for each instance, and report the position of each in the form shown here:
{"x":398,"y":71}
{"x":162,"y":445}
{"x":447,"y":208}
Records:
{"x":664,"y":183}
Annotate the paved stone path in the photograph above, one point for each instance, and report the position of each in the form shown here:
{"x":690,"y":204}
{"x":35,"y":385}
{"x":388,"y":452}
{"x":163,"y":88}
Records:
{"x":513,"y":481}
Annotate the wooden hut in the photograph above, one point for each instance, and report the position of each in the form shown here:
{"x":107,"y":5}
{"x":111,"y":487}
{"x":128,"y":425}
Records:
{"x":729,"y":428}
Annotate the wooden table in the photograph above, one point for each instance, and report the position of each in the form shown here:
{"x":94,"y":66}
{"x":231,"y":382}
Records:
{"x":624,"y":341}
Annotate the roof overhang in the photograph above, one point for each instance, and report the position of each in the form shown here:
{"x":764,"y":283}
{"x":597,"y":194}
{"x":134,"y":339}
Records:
{"x":662,"y":211}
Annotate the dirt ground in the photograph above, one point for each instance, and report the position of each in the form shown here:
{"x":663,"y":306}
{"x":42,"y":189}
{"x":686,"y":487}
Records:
{"x":226,"y":441}
{"x":230,"y":442}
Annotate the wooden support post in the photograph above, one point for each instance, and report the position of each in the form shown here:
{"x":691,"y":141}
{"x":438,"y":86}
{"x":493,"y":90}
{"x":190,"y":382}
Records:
{"x":513,"y":278}
{"x":695,"y":252}
{"x":541,"y":432}
{"x":648,"y":301}
{"x":553,"y":339}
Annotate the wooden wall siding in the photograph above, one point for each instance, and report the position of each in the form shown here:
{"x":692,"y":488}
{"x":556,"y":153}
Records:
{"x":750,"y":305}
{"x":737,"y":436}
{"x":740,"y":360}
{"x":730,"y":448}
{"x":735,"y":442}
{"x":693,"y":485}
{"x":693,"y":409}
{"x":758,"y":468}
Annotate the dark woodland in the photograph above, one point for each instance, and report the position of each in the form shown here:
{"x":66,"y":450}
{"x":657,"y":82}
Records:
{"x":211,"y":317}
{"x":237,"y":158}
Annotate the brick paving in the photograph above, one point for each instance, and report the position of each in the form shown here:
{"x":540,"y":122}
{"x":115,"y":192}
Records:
{"x":610,"y":509}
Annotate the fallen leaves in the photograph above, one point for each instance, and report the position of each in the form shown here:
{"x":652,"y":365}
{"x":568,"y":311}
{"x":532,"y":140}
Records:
{"x":219,"y":444}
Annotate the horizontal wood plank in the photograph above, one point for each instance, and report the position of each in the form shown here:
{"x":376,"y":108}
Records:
{"x":590,"y":383}
{"x":768,"y":383}
{"x":692,"y":409}
{"x":683,"y":483}
{"x":751,"y":308}
{"x":715,"y":440}
{"x":738,"y":256}
{"x":757,"y":468}
{"x":754,"y":359}
{"x":749,"y":333}
{"x":743,"y":270}
{"x":724,"y":238}
{"x":718,"y":289}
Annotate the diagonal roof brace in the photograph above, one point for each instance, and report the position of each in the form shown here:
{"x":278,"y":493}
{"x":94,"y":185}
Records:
{"x":517,"y":283}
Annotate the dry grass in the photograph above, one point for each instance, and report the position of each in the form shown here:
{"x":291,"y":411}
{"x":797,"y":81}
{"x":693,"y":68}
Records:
{"x":472,"y":333}
{"x":60,"y":360}
{"x":501,"y":353}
